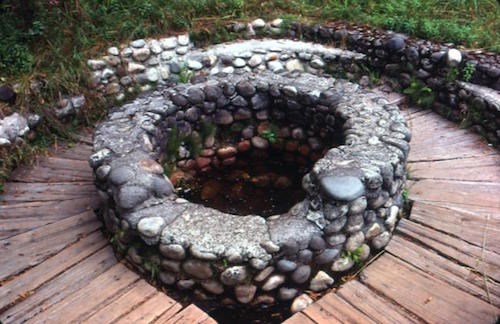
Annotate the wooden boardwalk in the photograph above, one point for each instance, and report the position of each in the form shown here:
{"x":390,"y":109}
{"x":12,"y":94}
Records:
{"x":442,"y":266}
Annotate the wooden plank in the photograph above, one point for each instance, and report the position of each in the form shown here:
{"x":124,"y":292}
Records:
{"x":461,"y":192}
{"x":172,"y":311}
{"x":427,"y":297}
{"x":49,"y":209}
{"x":97,"y":293}
{"x":150,"y":310}
{"x":31,"y":248}
{"x":16,"y":192}
{"x":59,"y":288}
{"x":482,"y":261}
{"x":14,"y":226}
{"x":485,"y":168}
{"x":476,"y":228}
{"x":80,"y":152}
{"x":134,"y":297}
{"x":439,"y":267}
{"x":299,"y":318}
{"x":331,"y":306}
{"x":378,"y":308}
{"x":29,"y":281}
{"x":190,"y":314}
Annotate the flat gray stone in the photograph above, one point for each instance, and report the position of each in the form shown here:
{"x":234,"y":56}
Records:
{"x":345,"y":188}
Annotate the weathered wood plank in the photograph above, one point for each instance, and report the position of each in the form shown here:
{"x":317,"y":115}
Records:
{"x":97,"y":293}
{"x":300,"y":318}
{"x":135,"y":296}
{"x":190,"y":314}
{"x":48,"y":209}
{"x":16,"y":192}
{"x":461,"y":192}
{"x":439,"y":267}
{"x":482,"y":261}
{"x":333,"y":307}
{"x":29,"y":281}
{"x":31,"y":248}
{"x":54,"y":169}
{"x":62,"y":286}
{"x":150,"y":310}
{"x":476,"y":228}
{"x":80,"y":152}
{"x":485,"y":168}
{"x":429,"y":298}
{"x":172,"y":311}
{"x":378,"y":308}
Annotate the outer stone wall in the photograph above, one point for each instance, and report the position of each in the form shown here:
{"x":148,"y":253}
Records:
{"x":353,"y":192}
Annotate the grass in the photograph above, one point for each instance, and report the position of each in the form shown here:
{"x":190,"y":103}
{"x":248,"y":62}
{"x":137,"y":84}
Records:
{"x":49,"y":41}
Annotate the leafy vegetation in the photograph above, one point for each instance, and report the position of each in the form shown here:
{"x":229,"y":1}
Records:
{"x":419,"y":93}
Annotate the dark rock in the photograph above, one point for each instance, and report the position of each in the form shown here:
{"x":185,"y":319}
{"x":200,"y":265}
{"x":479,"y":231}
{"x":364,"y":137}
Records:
{"x":245,"y":88}
{"x":131,"y":196}
{"x":286,"y":265}
{"x":317,"y":243}
{"x":305,"y":256}
{"x":302,"y":274}
{"x":223,"y":117}
{"x":213,"y":93}
{"x":326,"y":256}
{"x":195,"y":95}
{"x":345,"y":188}
{"x":7,"y":94}
{"x":396,"y":43}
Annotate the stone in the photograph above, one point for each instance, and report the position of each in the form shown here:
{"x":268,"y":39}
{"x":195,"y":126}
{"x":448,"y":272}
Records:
{"x":131,"y":196}
{"x":245,"y":293}
{"x":258,"y":23}
{"x":345,"y":188}
{"x":336,"y":239}
{"x":152,"y":74}
{"x":195,"y":96}
{"x":151,"y":226}
{"x":275,"y":66}
{"x":213,"y":287}
{"x":259,"y":142}
{"x":261,"y":276}
{"x":342,"y":264}
{"x":301,"y":274}
{"x":396,"y":43}
{"x":234,"y":275}
{"x":260,"y":101}
{"x":381,"y":240}
{"x":223,"y":117}
{"x":181,"y":50}
{"x":317,"y":243}
{"x":183,"y":40}
{"x":326,"y":256}
{"x":305,"y":256}
{"x":135,"y":68}
{"x":185,"y":284}
{"x":167,"y":277}
{"x":273,"y":282}
{"x":194,"y":65}
{"x":198,"y":269}
{"x":255,"y":61}
{"x":172,"y":251}
{"x":245,"y":88}
{"x":121,"y":175}
{"x":289,"y":91}
{"x":93,"y":65}
{"x":357,"y":206}
{"x":300,"y":303}
{"x":321,"y":281}
{"x":277,"y":22}
{"x":286,"y":266}
{"x":287,"y":293}
{"x":239,"y":62}
{"x":453,"y":57}
{"x":317,"y":63}
{"x":138,"y":43}
{"x":355,"y":241}
{"x":170,"y":265}
{"x":141,"y":54}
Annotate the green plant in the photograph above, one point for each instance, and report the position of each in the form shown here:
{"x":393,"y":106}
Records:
{"x":419,"y":93}
{"x":270,"y":135}
{"x":354,"y":256}
{"x":468,"y":71}
{"x":405,"y":194}
{"x":152,"y":265}
{"x":185,"y":75}
{"x":452,"y":74}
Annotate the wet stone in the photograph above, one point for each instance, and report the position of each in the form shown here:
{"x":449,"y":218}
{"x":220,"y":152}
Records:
{"x":327,"y":256}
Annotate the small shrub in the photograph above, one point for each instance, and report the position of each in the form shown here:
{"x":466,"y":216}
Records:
{"x":468,"y":71}
{"x":420,"y":94}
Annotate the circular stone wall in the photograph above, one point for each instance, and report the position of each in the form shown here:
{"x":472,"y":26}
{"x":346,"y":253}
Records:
{"x":353,"y":193}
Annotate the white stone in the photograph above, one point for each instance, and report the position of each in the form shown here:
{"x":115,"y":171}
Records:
{"x":300,"y":303}
{"x":317,"y":63}
{"x":390,"y":222}
{"x":453,"y":57}
{"x":167,"y":56}
{"x":135,"y":68}
{"x":113,"y":51}
{"x":168,"y":43}
{"x":277,"y":22}
{"x":244,"y":55}
{"x":294,"y":65}
{"x":164,"y":72}
{"x":255,"y":60}
{"x":289,"y":90}
{"x":182,"y":50}
{"x":138,"y":43}
{"x":239,"y":62}
{"x":120,"y":97}
{"x":342,"y":264}
{"x":151,"y":226}
{"x":152,"y":74}
{"x":194,"y":65}
{"x":155,"y":47}
{"x":275,"y":66}
{"x":141,"y":54}
{"x":183,"y":40}
{"x":373,"y":231}
{"x":321,"y":281}
{"x":126,"y":52}
{"x":107,"y":73}
{"x":96,"y":64}
{"x":273,"y":282}
{"x":258,"y":23}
